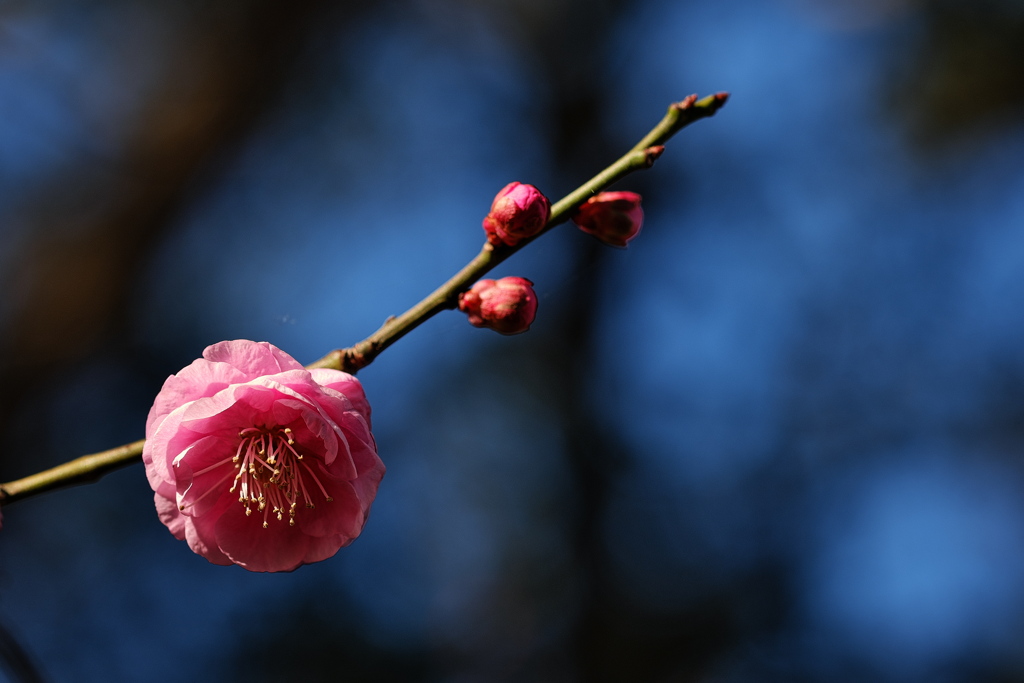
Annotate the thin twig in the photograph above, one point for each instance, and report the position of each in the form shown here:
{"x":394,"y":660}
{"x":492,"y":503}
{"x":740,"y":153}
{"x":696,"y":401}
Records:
{"x":642,"y":155}
{"x":78,"y":471}
{"x":89,"y":468}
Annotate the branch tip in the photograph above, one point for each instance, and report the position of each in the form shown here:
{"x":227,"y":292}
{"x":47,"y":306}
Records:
{"x":713,"y":103}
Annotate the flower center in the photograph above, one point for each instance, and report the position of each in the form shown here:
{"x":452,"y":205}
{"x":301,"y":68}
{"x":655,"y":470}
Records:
{"x":272,"y":475}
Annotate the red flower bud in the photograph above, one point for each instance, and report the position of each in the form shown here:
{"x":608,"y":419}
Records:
{"x":508,"y":305}
{"x":518,"y":211}
{"x":612,"y":217}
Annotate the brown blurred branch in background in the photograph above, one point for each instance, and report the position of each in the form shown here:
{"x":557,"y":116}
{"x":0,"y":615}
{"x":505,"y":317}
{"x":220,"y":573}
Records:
{"x":91,"y":228}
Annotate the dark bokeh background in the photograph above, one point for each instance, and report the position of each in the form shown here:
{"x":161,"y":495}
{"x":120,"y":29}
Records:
{"x":779,"y":438}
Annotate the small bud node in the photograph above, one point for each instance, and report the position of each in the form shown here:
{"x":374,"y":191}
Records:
{"x":686,"y":102}
{"x":653,"y":153}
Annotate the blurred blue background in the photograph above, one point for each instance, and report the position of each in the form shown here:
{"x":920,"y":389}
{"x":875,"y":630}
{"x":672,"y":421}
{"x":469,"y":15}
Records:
{"x":779,"y":438}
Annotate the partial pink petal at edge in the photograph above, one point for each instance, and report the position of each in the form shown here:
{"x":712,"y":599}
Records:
{"x":278,"y":548}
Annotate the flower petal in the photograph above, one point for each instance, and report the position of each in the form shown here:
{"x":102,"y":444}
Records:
{"x":366,"y":484}
{"x":278,"y":548}
{"x":158,"y":453}
{"x":199,"y":532}
{"x":325,"y":547}
{"x":254,"y":359}
{"x":204,"y":474}
{"x":169,"y":514}
{"x":201,"y":378}
{"x":343,"y":515}
{"x":346,"y":385}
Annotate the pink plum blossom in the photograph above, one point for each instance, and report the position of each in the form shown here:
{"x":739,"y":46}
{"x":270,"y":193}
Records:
{"x":258,"y":462}
{"x":519,"y":211}
{"x":508,"y":305}
{"x":613,"y":217}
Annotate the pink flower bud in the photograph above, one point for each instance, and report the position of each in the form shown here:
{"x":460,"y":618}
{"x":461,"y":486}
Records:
{"x":508,"y":305}
{"x":612,"y":217}
{"x":258,"y":462}
{"x":518,"y":211}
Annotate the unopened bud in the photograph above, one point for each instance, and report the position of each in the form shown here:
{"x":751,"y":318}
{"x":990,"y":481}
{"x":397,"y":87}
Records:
{"x":508,"y":305}
{"x":613,"y":217}
{"x":518,"y":211}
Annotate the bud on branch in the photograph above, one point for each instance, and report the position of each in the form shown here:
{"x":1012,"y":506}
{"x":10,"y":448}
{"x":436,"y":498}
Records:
{"x":641,"y":156}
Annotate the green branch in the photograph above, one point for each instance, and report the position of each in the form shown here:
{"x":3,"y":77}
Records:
{"x":78,"y":471}
{"x":641,"y":156}
{"x":89,"y":468}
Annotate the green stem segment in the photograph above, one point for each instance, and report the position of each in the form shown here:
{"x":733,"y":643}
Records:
{"x":89,"y":468}
{"x":78,"y":471}
{"x":642,"y":155}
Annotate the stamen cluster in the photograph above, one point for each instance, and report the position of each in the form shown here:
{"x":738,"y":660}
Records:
{"x":270,"y":470}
